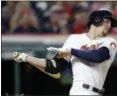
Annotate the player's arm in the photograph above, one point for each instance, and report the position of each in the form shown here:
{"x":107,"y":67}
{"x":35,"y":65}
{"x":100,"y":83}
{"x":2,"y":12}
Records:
{"x":107,"y":50}
{"x":50,"y":67}
{"x":96,"y":56}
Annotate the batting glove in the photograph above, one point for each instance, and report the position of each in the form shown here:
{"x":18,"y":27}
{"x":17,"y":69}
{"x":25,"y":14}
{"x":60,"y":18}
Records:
{"x":60,"y":50}
{"x":20,"y":57}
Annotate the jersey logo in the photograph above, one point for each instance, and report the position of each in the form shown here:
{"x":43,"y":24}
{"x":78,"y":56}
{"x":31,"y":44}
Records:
{"x":113,"y":45}
{"x":92,"y":47}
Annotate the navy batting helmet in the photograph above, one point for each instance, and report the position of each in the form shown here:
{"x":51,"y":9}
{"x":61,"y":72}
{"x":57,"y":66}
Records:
{"x":96,"y":17}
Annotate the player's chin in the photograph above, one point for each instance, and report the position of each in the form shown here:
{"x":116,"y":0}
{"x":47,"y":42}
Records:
{"x":105,"y":33}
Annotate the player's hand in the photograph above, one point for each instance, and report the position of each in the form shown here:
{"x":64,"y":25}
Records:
{"x":20,"y":57}
{"x":62,"y":51}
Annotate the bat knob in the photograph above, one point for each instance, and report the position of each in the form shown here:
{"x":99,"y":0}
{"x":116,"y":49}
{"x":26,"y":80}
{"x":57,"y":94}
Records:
{"x":15,"y":54}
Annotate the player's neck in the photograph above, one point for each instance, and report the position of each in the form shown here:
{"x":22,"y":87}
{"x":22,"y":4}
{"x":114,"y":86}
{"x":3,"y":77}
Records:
{"x":92,"y":34}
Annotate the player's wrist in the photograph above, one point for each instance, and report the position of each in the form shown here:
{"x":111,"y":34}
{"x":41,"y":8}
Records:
{"x":73,"y":51}
{"x":69,"y":50}
{"x":26,"y":58}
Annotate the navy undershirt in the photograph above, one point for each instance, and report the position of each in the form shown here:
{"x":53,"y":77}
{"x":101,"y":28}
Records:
{"x":96,"y":56}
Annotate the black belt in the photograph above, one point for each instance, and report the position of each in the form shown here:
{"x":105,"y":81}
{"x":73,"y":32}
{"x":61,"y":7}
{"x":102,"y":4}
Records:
{"x":86,"y":86}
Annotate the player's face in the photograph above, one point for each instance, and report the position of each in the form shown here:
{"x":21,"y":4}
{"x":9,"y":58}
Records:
{"x":105,"y":27}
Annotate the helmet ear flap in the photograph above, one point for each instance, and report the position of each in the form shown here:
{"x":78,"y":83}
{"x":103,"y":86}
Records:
{"x":97,"y":21}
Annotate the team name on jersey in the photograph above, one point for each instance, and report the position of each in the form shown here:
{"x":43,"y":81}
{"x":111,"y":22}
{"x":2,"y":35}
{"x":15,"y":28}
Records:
{"x":92,"y":47}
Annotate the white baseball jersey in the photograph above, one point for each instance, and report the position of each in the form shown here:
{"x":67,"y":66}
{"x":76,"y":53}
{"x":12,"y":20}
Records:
{"x":88,"y":72}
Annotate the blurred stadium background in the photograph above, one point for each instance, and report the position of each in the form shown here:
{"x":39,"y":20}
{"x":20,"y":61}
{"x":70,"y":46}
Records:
{"x":31,"y":27}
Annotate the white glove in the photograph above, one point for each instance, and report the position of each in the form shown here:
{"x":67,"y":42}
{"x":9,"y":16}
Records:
{"x":60,"y":50}
{"x":20,"y":57}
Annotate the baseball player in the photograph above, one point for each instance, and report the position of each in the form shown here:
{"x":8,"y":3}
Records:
{"x":90,"y":55}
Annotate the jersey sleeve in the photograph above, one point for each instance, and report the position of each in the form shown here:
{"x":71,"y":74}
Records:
{"x":111,"y":44}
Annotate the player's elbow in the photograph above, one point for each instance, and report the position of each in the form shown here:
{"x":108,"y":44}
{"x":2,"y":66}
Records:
{"x":101,"y":55}
{"x":101,"y":58}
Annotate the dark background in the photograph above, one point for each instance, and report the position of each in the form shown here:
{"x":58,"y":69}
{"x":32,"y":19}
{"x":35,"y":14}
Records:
{"x":35,"y":82}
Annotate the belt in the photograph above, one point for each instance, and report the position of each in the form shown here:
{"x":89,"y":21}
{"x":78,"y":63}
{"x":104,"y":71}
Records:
{"x":86,"y":86}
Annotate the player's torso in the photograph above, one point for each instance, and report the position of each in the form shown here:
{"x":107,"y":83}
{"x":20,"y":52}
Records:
{"x":93,"y":74}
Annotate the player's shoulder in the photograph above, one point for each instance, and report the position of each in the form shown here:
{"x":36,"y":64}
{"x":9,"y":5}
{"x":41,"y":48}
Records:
{"x":109,"y":39}
{"x":108,"y":42}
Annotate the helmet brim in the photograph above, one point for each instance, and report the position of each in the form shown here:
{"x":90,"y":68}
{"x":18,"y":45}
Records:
{"x":113,"y":21}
